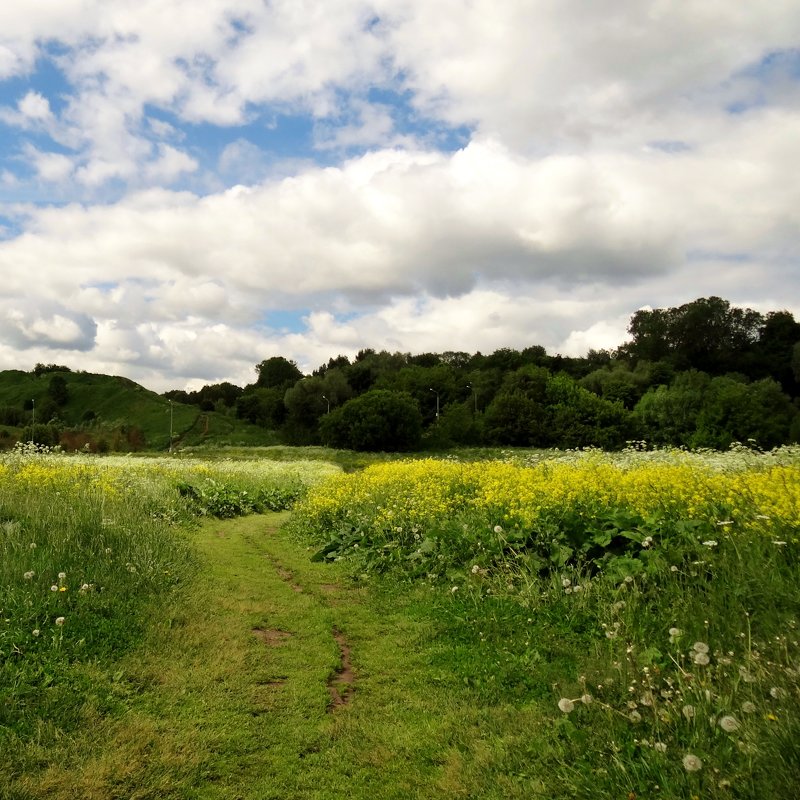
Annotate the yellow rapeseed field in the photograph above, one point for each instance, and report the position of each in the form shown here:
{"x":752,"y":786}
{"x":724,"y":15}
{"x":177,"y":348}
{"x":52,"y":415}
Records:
{"x":416,"y":494}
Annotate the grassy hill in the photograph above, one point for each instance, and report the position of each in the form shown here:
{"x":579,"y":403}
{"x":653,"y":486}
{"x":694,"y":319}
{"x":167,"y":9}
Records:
{"x":106,"y":411}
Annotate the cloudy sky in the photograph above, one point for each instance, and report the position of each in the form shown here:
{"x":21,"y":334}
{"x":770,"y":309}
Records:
{"x":188,"y":188}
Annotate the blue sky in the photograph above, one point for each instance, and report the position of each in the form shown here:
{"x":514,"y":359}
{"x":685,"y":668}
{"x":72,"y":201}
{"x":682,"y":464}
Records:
{"x":187,"y":189}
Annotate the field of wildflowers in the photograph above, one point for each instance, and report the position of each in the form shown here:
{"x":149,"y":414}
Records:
{"x":649,"y":601}
{"x":88,"y":548}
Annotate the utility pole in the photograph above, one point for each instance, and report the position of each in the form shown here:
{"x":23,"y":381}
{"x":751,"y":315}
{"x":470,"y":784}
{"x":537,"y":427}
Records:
{"x":170,"y":425}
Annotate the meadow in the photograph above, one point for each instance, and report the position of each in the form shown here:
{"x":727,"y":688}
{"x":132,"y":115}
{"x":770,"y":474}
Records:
{"x":632,"y":618}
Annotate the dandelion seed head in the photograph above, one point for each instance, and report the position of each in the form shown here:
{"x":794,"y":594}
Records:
{"x":60,"y":621}
{"x":29,"y":575}
{"x":586,"y":699}
{"x":701,"y":658}
{"x":691,"y":763}
{"x":54,"y":588}
{"x":35,"y":631}
{"x":660,"y":747}
{"x":635,"y":716}
{"x":498,"y":528}
{"x":729,"y":723}
{"x":566,"y":705}
{"x":748,"y":707}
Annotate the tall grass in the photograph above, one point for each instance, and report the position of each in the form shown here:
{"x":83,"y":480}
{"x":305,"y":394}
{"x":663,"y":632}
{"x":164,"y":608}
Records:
{"x":89,"y":547}
{"x":648,"y":603}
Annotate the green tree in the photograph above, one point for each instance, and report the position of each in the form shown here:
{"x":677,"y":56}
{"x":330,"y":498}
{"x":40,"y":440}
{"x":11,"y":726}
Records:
{"x":277,"y":373}
{"x":57,"y":390}
{"x":377,"y":420}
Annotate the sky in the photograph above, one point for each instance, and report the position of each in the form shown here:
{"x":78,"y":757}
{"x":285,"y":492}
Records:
{"x":188,"y":188}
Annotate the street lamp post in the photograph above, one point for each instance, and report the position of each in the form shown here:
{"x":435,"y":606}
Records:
{"x":474,"y":396}
{"x":33,"y":413}
{"x":328,"y":402}
{"x":437,"y":403}
{"x":170,"y":425}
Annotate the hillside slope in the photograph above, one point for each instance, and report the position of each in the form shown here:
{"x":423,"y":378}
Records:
{"x":91,"y":408}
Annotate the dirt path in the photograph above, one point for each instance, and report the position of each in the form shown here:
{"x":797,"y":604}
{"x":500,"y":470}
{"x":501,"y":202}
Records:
{"x":274,"y":677}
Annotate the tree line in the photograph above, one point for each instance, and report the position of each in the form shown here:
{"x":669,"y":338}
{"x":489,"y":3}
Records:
{"x":704,"y":374}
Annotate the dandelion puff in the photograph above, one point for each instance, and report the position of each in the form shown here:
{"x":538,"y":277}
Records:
{"x":60,"y":621}
{"x":674,"y":632}
{"x":700,"y":647}
{"x":566,"y":705}
{"x":729,"y":723}
{"x":660,"y":747}
{"x":635,"y":716}
{"x":566,"y":582}
{"x":498,"y":529}
{"x":29,"y":575}
{"x":475,"y":569}
{"x":748,"y":707}
{"x":54,"y":588}
{"x":586,"y":699}
{"x":32,"y":545}
{"x":777,"y":693}
{"x":701,"y":658}
{"x":688,"y":711}
{"x":62,"y":575}
{"x":691,"y":763}
{"x":35,"y":631}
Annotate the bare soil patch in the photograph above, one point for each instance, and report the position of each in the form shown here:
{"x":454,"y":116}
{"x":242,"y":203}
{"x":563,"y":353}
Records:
{"x":271,"y":637}
{"x":342,"y":683}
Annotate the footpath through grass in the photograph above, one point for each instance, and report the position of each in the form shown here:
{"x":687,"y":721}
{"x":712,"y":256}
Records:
{"x":273,"y":677}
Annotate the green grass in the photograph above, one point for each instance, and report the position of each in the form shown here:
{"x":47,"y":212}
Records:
{"x":120,"y":405}
{"x":497,"y":679}
{"x":212,"y":711}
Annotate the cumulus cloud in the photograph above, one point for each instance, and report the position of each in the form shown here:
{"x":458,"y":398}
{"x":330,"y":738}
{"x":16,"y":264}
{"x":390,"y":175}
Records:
{"x":488,"y":174}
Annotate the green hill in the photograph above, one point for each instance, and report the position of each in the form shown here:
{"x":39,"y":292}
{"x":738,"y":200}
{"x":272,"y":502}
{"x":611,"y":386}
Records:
{"x":111,"y":412}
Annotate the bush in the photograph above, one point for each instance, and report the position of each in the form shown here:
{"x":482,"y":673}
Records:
{"x":377,"y":420}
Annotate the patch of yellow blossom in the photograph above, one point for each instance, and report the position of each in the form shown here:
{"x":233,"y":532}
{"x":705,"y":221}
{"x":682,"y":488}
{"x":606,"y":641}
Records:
{"x":406,"y":494}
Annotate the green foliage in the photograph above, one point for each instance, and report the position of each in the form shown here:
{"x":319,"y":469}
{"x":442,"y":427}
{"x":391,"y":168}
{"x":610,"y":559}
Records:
{"x":277,"y":373}
{"x":47,"y":435}
{"x":215,"y":498}
{"x":377,"y":420}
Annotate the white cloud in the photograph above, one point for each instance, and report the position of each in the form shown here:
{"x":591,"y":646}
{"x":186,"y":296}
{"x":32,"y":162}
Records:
{"x":604,"y":170}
